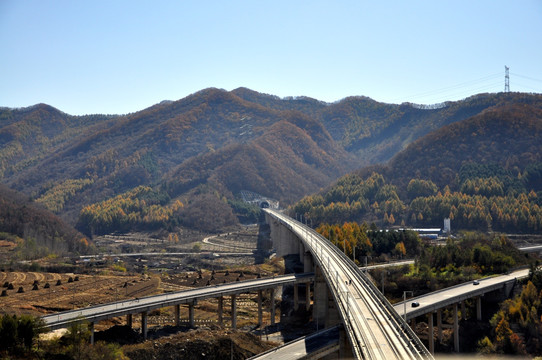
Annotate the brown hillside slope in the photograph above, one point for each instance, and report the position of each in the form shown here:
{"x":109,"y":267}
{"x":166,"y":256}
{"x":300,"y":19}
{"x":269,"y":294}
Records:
{"x":508,"y":135}
{"x":285,"y":163}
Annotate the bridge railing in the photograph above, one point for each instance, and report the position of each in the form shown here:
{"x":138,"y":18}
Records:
{"x":399,"y":323}
{"x":343,"y":298}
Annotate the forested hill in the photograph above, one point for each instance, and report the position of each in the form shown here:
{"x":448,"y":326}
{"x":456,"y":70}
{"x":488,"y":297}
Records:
{"x":28,"y":135}
{"x":510,"y":136}
{"x":295,"y":156}
{"x":484,"y":173}
{"x":36,"y":231}
{"x":222,"y":140}
{"x":376,"y":132}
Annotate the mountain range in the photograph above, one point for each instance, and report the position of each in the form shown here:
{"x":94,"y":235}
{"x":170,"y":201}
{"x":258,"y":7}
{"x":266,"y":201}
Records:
{"x":218,"y":142}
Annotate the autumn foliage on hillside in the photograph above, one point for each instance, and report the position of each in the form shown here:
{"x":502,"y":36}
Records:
{"x":37,"y":231}
{"x":517,"y":326}
{"x":244,"y":140}
{"x":140,"y":208}
{"x":483,"y":173}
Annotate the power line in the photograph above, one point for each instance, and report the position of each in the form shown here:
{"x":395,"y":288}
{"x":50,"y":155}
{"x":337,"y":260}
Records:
{"x":447,"y":89}
{"x":521,"y":85}
{"x":526,"y":77}
{"x":488,"y":83}
{"x":492,"y":87}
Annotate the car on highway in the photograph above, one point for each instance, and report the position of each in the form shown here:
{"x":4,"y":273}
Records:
{"x":475,"y":282}
{"x":415,"y":304}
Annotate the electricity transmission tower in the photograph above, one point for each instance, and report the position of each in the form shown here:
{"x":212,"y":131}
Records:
{"x":506,"y":79}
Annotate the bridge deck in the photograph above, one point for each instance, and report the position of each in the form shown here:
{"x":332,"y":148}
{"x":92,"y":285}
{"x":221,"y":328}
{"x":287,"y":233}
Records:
{"x":120,"y":308}
{"x":374,"y":328}
{"x":452,"y":295}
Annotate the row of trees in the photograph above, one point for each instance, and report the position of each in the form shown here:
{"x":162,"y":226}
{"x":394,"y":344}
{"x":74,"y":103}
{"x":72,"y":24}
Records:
{"x":17,"y":333}
{"x":362,"y":240}
{"x":141,"y":207}
{"x":520,"y":212}
{"x":18,"y":336}
{"x":481,"y":204}
{"x":475,"y":253}
{"x":55,"y":198}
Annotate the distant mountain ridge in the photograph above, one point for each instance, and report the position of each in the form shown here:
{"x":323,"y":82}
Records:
{"x":227,"y":140}
{"x":484,"y":172}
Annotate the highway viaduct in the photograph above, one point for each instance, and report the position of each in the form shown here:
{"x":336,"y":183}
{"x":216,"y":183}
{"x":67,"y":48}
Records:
{"x":143,"y":306}
{"x":495,"y":288}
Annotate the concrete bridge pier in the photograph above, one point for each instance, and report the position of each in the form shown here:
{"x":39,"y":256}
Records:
{"x":439,"y":325}
{"x":221,"y":310}
{"x":430,"y":335}
{"x":308,"y":262}
{"x":233,"y":312}
{"x":301,"y":252}
{"x":260,"y":309}
{"x":307,"y":296}
{"x":345,"y":348}
{"x":91,"y":328}
{"x":191,"y":314}
{"x":129,"y":320}
{"x":296,"y":297}
{"x":456,"y":329}
{"x":284,"y":241}
{"x":144,"y":324}
{"x":177,"y":309}
{"x":319,"y":308}
{"x":272,"y":299}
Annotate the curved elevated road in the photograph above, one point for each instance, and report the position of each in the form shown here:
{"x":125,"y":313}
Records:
{"x":375,"y":330}
{"x":120,"y":308}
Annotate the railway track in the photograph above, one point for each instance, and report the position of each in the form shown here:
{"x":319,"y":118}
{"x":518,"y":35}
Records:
{"x":374,"y":329}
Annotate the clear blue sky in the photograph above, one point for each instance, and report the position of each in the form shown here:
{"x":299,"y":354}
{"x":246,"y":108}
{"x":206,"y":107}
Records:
{"x":103,"y":56}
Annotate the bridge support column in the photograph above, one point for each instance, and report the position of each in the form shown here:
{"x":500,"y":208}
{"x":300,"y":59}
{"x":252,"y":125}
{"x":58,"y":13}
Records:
{"x":319,"y":308}
{"x":307,"y":296}
{"x":221,"y":310}
{"x":430,"y":335}
{"x":439,"y":325}
{"x":456,"y":329}
{"x":191,"y":314}
{"x":91,"y":328}
{"x":177,"y":315}
{"x":144,"y":325}
{"x":272,"y":298}
{"x":284,"y":241}
{"x":260,"y":310}
{"x":479,"y":308}
{"x":233,"y":312}
{"x":296,"y":297}
{"x":332,"y":312}
{"x":129,"y":320}
{"x":308,"y":262}
{"x":345,"y":349}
